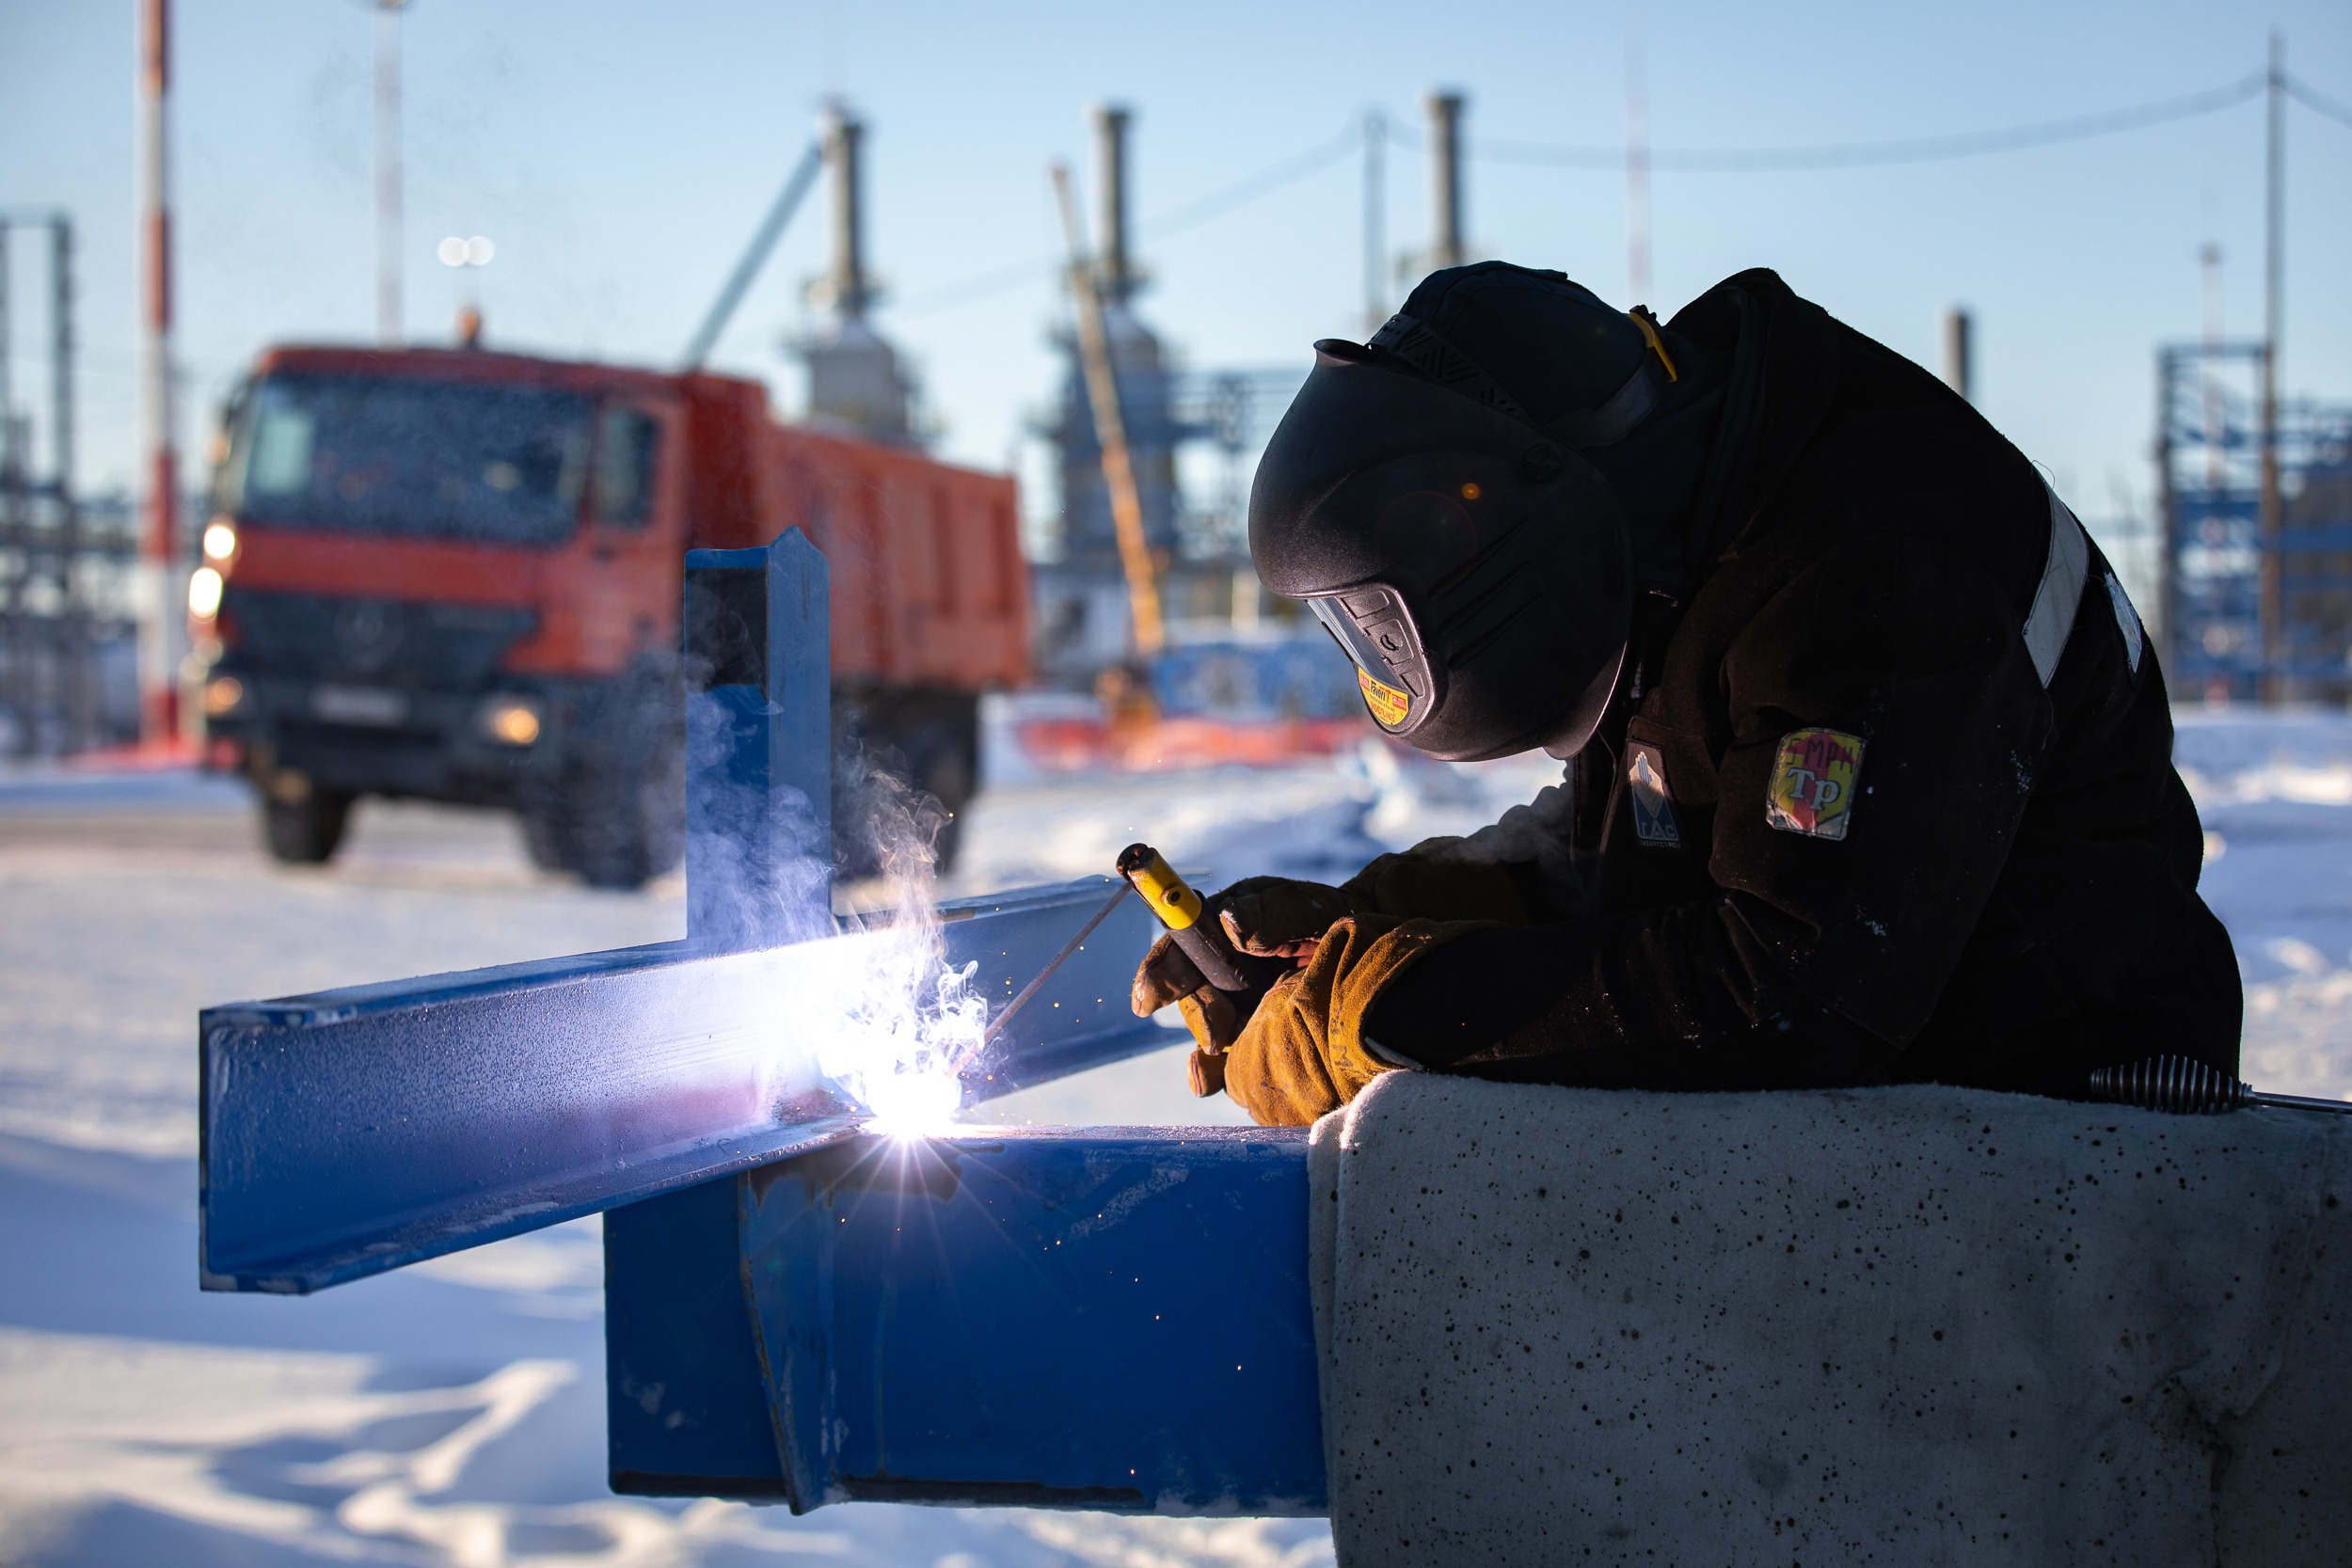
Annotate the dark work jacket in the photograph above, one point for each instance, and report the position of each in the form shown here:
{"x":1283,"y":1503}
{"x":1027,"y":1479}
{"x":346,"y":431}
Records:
{"x":2014,"y":898}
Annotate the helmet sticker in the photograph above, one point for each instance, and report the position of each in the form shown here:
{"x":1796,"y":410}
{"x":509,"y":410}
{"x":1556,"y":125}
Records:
{"x":1813,"y":783}
{"x":1654,"y":825}
{"x":1369,"y":622}
{"x":1388,"y":705}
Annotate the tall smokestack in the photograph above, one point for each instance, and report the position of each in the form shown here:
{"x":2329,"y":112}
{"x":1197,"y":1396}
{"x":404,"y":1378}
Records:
{"x":159,"y":610}
{"x":846,"y":281}
{"x":1960,"y":352}
{"x":1445,"y":180}
{"x":1115,"y":277}
{"x":854,"y":378}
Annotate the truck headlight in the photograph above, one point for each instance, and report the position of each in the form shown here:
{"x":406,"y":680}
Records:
{"x":510,"y":721}
{"x":204,"y":587}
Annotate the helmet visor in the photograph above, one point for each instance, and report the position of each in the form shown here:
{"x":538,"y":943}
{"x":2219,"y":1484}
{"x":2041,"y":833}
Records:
{"x":1371,"y":623}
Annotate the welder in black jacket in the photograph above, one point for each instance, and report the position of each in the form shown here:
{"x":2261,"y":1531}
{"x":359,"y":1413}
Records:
{"x":1870,"y":773}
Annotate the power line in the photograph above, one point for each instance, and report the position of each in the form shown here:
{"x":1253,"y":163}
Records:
{"x":1215,"y":205}
{"x":1834,"y":156}
{"x":1909,"y":150}
{"x":1265,"y":183}
{"x":2311,"y":100}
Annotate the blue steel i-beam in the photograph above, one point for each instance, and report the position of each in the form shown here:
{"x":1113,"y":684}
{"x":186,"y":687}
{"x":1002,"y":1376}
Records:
{"x":979,"y":1319}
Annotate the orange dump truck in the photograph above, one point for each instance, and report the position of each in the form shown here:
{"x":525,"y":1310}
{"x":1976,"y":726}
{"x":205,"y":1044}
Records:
{"x":453,"y":575}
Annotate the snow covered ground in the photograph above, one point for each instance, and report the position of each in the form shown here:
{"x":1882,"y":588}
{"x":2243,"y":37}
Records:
{"x":2276,"y":797}
{"x":453,"y":1413}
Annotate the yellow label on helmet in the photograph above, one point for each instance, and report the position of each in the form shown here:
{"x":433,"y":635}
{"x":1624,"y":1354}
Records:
{"x":1387,"y":703}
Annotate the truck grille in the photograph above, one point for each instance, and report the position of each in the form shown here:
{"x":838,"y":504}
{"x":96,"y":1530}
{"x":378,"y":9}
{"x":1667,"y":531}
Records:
{"x":372,"y":644}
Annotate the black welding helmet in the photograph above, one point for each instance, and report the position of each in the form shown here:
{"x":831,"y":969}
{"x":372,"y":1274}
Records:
{"x":1471,"y":563}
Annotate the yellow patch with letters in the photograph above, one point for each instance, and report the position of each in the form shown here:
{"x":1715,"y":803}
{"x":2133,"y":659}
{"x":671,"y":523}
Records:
{"x":1813,"y":783}
{"x":1387,"y":703}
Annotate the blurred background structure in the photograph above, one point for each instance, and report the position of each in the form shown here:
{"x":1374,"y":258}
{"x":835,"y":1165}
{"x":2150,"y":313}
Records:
{"x":68,"y":672}
{"x":1707,"y":145}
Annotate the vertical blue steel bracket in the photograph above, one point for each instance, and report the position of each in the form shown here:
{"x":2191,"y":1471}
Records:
{"x":758,"y":745}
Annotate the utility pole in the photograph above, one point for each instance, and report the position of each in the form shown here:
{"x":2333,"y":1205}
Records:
{"x":1445,"y":180}
{"x":1375,"y":222}
{"x":388,"y":184}
{"x":2276,"y":685}
{"x":158,"y":598}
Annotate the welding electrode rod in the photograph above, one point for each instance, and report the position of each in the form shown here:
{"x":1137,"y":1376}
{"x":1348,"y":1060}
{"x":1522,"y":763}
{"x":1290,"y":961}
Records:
{"x":997,"y":1024}
{"x":1179,"y":909}
{"x":2186,"y":1086}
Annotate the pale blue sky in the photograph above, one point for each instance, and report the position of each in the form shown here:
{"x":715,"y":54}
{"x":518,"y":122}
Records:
{"x":620,"y":154}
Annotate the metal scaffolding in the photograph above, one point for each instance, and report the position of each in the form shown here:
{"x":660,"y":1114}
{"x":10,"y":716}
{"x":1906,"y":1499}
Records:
{"x":61,"y":558}
{"x":2213,"y":613}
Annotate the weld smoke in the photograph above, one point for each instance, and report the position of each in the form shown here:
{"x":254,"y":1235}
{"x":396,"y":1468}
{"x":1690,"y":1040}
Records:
{"x":913,"y":1023}
{"x":883,"y":1017}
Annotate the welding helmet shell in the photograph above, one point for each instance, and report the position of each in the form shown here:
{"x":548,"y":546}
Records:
{"x":1475,"y":569}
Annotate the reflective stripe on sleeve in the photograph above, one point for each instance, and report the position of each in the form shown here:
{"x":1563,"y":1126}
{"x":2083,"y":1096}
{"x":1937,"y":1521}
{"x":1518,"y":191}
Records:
{"x":2051,"y":622}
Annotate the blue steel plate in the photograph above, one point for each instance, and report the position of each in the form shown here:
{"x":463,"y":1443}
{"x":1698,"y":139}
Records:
{"x":1105,"y":1319}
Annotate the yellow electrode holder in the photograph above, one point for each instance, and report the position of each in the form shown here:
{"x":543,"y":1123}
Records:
{"x":1170,"y":897}
{"x":1648,"y":324}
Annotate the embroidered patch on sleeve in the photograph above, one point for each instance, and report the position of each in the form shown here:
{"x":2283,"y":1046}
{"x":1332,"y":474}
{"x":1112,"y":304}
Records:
{"x":1654,"y":826}
{"x":1813,"y":783}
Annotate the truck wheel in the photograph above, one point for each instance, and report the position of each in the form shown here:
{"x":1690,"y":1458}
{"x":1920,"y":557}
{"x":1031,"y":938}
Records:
{"x":928,"y":741}
{"x":625,"y":824}
{"x":950,"y":779}
{"x":305,"y":832}
{"x":543,"y":837}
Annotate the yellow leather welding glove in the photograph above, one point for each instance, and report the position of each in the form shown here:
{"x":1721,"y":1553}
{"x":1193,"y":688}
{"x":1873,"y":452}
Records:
{"x":1263,"y":917}
{"x":1301,"y":1054}
{"x":1431,"y":881}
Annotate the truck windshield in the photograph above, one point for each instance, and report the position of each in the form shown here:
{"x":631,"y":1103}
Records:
{"x":448,"y":460}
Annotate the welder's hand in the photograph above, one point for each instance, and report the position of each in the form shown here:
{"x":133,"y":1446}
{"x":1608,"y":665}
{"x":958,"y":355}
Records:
{"x":1266,"y":917}
{"x":1301,"y":1054}
{"x":1435,"y":880}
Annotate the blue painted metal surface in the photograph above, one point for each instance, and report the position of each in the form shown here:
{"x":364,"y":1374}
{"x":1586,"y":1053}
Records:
{"x":795,"y":1309}
{"x":1114,"y":1319}
{"x":685,"y":1405}
{"x":355,"y":1131}
{"x":758,"y":745}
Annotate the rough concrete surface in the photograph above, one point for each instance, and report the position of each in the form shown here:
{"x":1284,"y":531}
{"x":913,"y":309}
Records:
{"x":1904,"y":1325}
